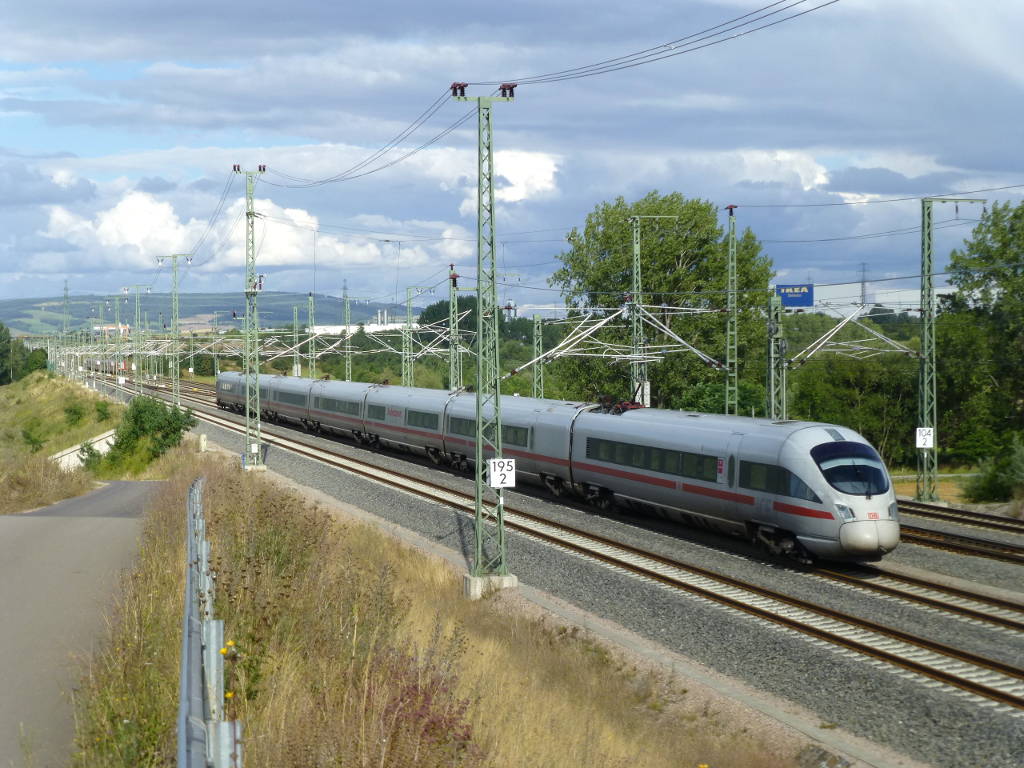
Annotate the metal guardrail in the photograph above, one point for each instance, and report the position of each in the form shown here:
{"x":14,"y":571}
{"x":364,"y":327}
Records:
{"x":205,"y":737}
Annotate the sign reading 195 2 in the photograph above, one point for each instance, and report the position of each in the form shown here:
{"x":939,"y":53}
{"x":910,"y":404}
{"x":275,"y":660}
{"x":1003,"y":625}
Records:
{"x":501,"y":473}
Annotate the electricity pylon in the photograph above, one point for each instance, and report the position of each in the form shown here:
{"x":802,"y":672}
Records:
{"x":347,"y":320}
{"x":776,"y":361}
{"x":639,"y":382}
{"x":251,"y":350}
{"x":175,"y":354}
{"x":137,"y":341}
{"x":731,"y":334}
{"x":489,"y":545}
{"x":296,"y":364}
{"x":538,"y":350}
{"x":408,"y":359}
{"x":117,"y":337}
{"x":454,"y":337}
{"x":311,"y":343}
{"x":928,"y":458}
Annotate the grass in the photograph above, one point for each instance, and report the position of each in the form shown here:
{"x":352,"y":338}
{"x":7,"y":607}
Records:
{"x":349,"y":648}
{"x":39,"y":416}
{"x":949,"y":488}
{"x":126,"y":705}
{"x":51,"y":413}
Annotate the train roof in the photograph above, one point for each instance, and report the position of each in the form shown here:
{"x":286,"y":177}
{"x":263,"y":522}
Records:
{"x":720,"y":421}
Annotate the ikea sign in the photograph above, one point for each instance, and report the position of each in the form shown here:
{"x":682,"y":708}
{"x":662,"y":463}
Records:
{"x":796,"y":295}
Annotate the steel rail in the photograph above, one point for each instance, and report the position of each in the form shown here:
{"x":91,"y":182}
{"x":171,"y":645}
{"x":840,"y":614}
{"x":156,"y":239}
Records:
{"x":962,"y":516}
{"x":987,"y":609}
{"x":967,"y":545}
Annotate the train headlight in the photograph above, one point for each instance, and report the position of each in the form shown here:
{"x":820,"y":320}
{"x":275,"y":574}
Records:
{"x":844,"y":512}
{"x":894,"y":510}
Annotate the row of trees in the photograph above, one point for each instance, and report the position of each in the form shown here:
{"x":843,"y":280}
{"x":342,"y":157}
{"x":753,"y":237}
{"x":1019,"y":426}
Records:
{"x":16,"y":361}
{"x":979,"y":332}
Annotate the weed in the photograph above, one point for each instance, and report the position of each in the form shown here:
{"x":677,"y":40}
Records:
{"x":999,"y":478}
{"x":73,"y":413}
{"x":30,"y":434}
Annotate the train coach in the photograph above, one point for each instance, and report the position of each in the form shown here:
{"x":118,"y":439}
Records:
{"x":804,"y":490}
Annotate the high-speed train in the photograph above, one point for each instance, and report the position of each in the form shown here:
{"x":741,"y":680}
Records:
{"x":801,"y":489}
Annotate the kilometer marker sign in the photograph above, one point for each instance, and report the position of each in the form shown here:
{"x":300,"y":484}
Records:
{"x":501,"y":473}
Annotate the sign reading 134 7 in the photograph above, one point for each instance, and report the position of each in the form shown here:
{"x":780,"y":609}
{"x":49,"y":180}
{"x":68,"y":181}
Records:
{"x":501,"y":473}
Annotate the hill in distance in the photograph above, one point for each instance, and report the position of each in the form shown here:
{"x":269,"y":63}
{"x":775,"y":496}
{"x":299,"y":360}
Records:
{"x":42,"y":316}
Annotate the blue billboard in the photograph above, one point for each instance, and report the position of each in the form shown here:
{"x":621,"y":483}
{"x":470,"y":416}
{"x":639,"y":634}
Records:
{"x":796,"y":295}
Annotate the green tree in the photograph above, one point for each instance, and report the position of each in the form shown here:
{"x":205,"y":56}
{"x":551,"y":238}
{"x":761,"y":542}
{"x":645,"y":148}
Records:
{"x":13,"y":357}
{"x":989,"y":275}
{"x":684,"y":265}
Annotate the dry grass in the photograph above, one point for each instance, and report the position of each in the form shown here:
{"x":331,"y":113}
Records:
{"x":351,"y":649}
{"x":39,"y":416}
{"x":949,"y":488}
{"x":45,"y":407}
{"x":32,"y":480}
{"x":126,"y":705}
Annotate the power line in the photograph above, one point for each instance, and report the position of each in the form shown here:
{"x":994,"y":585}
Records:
{"x":695,"y":41}
{"x":874,"y":202}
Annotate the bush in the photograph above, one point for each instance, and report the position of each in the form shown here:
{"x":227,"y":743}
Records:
{"x":1000,"y":477}
{"x":30,"y":434}
{"x":102,"y":410}
{"x":73,"y":413}
{"x":147,"y":430}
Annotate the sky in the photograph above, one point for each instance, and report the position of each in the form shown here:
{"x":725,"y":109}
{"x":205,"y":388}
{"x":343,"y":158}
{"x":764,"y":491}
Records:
{"x":121,"y":122}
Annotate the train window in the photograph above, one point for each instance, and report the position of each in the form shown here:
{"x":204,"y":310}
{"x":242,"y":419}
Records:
{"x":263,"y":393}
{"x":515,"y":435}
{"x":798,"y":489}
{"x":852,"y":468}
{"x":464,"y":427}
{"x":292,"y":398}
{"x":421,"y":419}
{"x":732,"y":471}
{"x":375,"y":412}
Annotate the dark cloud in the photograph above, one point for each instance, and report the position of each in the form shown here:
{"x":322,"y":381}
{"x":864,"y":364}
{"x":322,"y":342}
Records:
{"x":155,"y":185}
{"x":882,"y":181}
{"x":206,"y":185}
{"x":24,"y":185}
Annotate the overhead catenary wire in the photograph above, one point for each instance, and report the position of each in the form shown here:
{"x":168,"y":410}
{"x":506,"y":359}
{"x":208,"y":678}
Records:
{"x":695,"y":41}
{"x":707,"y":37}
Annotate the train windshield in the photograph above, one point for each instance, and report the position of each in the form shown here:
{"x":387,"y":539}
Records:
{"x":852,"y":468}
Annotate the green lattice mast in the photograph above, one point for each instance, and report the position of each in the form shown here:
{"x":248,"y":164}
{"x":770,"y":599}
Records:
{"x":489,"y":546}
{"x":253,"y":449}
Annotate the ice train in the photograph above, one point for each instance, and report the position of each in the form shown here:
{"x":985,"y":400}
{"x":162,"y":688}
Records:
{"x":802,"y":489}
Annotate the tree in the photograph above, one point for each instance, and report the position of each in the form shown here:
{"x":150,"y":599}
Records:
{"x":989,"y":274}
{"x":684,"y":265}
{"x":15,"y":358}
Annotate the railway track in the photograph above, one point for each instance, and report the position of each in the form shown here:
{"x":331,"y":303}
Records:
{"x":964,"y":545}
{"x":970,"y":674}
{"x":973,"y":606}
{"x":961,"y":516}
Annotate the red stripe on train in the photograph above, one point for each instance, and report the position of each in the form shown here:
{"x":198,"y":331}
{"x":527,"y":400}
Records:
{"x":792,"y":509}
{"x":741,"y":498}
{"x":627,"y":475}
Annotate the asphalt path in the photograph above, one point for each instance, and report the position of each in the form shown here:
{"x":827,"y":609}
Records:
{"x":58,"y":574}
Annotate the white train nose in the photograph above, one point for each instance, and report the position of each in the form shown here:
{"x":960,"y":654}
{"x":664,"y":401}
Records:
{"x":869,"y":537}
